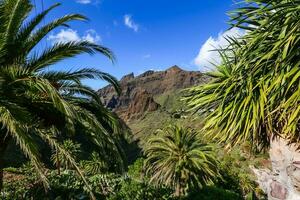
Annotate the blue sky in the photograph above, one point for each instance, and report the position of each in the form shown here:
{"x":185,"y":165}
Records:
{"x":144,"y":34}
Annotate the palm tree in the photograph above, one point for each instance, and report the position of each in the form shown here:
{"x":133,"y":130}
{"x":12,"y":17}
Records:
{"x":60,"y":159}
{"x":37,"y":102}
{"x":254,"y":94}
{"x":175,"y":157}
{"x":96,"y":165}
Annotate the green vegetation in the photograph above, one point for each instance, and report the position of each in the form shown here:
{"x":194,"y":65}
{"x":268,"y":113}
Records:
{"x":42,"y":106}
{"x":95,"y":165}
{"x":60,"y":160}
{"x":77,"y":149}
{"x":254,"y":95}
{"x":170,"y":101}
{"x":173,"y":111}
{"x":177,"y":158}
{"x":67,"y":185}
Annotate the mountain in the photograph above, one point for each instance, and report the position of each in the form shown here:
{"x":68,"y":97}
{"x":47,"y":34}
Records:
{"x":141,"y":94}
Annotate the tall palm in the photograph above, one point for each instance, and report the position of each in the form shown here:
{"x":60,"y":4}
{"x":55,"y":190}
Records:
{"x":254,"y":94}
{"x":37,"y":102}
{"x":176,"y":157}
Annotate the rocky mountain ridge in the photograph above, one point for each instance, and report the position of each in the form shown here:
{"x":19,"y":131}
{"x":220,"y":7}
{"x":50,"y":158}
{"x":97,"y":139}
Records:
{"x":138,"y":92}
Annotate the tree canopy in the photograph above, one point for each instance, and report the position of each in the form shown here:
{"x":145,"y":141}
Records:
{"x":176,"y":157}
{"x":254,"y":94}
{"x":39,"y":103}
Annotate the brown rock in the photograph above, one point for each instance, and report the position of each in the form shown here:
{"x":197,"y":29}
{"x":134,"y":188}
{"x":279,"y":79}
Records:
{"x":283,"y":180}
{"x":278,"y":191}
{"x":142,"y":102}
{"x":127,"y":77}
{"x":293,"y":171}
{"x":137,"y":92}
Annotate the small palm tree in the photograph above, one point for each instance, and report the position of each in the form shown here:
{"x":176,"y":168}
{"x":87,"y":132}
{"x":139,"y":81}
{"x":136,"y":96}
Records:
{"x":96,"y":164}
{"x":176,"y":157}
{"x":37,"y":102}
{"x":60,"y":160}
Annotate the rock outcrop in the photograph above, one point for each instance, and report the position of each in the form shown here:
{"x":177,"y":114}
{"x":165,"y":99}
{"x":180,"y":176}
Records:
{"x":282,"y":182}
{"x":137,"y":96}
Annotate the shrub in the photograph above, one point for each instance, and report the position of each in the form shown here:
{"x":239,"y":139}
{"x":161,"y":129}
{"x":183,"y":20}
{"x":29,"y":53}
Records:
{"x":213,"y":193}
{"x":135,"y":190}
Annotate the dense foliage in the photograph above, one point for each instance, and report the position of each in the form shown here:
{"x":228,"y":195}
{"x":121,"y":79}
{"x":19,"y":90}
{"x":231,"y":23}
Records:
{"x":60,"y":160}
{"x":176,"y":157}
{"x":67,"y":185}
{"x":254,"y":93}
{"x":42,"y":106}
{"x":25,"y":184}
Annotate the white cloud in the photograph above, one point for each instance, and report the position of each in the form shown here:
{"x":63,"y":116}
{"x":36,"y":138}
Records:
{"x":84,"y":1}
{"x":207,"y":56}
{"x":146,"y":56}
{"x":128,"y":21}
{"x":93,"y":2}
{"x":92,"y":36}
{"x":64,"y":36}
{"x":67,"y":35}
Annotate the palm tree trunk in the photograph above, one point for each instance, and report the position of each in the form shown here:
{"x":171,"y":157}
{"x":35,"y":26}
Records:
{"x":177,"y":190}
{"x":283,"y":181}
{"x":58,"y":162}
{"x":1,"y":171}
{"x":3,"y":147}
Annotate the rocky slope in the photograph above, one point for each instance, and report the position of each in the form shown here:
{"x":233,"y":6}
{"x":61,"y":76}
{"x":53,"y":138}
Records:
{"x":137,"y":96}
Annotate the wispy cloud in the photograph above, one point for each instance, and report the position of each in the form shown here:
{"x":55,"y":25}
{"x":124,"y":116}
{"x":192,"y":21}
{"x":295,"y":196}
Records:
{"x":207,"y":57}
{"x":84,"y":1}
{"x":67,"y":35}
{"x":129,"y":22}
{"x":115,"y":23}
{"x":92,"y":36}
{"x":146,"y":56}
{"x":93,"y":2}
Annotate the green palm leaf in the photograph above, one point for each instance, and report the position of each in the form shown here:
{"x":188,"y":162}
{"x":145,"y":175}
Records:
{"x":254,"y":95}
{"x":176,"y":157}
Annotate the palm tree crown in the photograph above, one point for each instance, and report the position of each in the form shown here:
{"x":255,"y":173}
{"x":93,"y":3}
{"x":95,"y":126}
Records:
{"x":177,"y":158}
{"x":36,"y":102}
{"x":254,"y":93}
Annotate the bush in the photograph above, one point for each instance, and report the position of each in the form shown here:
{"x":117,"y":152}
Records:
{"x":136,"y":169}
{"x":211,"y":192}
{"x":64,"y":186}
{"x":68,"y":185}
{"x":135,"y":190}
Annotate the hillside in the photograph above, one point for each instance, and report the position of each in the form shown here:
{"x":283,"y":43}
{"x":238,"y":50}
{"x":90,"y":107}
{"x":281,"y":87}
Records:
{"x":152,"y":100}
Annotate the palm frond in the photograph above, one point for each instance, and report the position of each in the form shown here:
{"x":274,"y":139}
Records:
{"x":78,"y":75}
{"x":37,"y":36}
{"x":27,"y":29}
{"x":175,"y":157}
{"x":61,"y":51}
{"x":254,"y":94}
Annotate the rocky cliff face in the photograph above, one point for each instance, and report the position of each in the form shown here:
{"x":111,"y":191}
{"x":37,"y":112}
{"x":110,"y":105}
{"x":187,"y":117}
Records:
{"x":137,"y":92}
{"x":282,"y":182}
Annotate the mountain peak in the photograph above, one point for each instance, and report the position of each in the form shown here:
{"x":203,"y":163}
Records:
{"x":139,"y":92}
{"x":127,"y":77}
{"x":174,"y":68}
{"x":147,"y":73}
